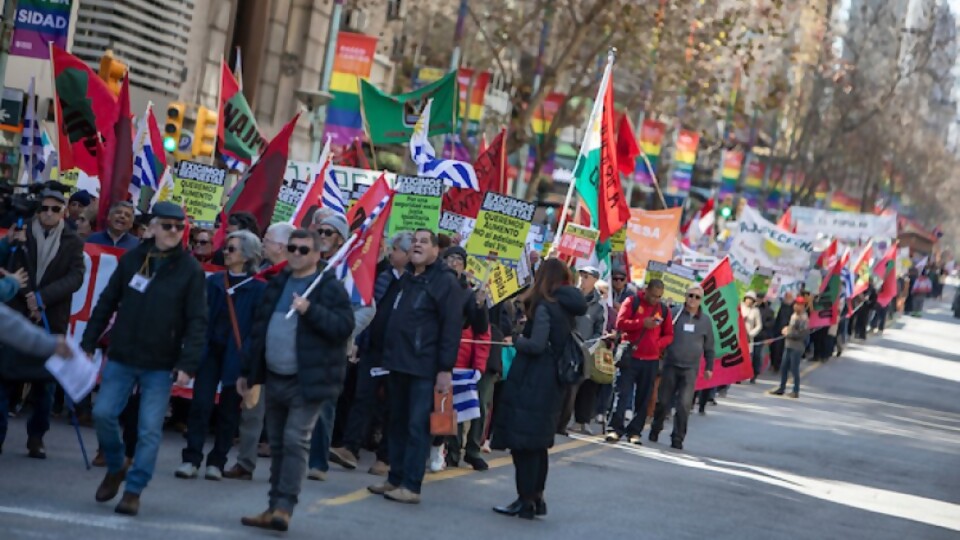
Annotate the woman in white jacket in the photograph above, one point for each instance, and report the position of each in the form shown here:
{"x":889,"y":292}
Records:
{"x":754,"y":323}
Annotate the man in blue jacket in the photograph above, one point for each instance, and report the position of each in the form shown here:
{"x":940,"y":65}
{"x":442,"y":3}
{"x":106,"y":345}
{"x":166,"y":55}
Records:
{"x":423,"y":333}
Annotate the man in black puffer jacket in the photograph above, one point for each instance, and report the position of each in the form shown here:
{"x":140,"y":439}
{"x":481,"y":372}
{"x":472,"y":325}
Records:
{"x":302,"y":363}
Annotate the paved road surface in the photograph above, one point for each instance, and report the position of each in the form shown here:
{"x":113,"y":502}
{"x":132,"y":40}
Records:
{"x":869,"y":451}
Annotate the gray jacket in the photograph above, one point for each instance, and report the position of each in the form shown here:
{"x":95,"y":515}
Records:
{"x":18,"y":332}
{"x":692,"y":339}
{"x":591,"y":325}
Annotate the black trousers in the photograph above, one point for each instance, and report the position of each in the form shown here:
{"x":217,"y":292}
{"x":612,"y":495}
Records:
{"x":579,"y":402}
{"x":531,"y":471}
{"x":642,"y":375}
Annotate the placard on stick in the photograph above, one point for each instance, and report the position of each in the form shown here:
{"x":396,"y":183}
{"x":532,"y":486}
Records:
{"x":501,"y":229}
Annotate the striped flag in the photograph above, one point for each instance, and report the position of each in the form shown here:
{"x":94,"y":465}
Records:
{"x":164,"y":189}
{"x":316,"y":190}
{"x":31,"y":140}
{"x":847,"y":276}
{"x":466,"y":397}
{"x":149,"y":160}
{"x":356,"y":268}
{"x":454,"y":173}
{"x":331,"y":197}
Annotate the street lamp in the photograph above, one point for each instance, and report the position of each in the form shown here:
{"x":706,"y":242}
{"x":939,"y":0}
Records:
{"x":316,"y":102}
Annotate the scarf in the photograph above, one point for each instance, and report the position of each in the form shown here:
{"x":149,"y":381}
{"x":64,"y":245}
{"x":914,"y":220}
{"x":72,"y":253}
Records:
{"x":48,"y":244}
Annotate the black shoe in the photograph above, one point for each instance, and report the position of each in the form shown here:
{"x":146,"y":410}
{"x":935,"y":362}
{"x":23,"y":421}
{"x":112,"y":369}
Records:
{"x":777,"y":392}
{"x":478,"y":463}
{"x":452,"y":462}
{"x":676,"y":445}
{"x":35,"y":448}
{"x":654,"y":435}
{"x":511,"y":509}
{"x":541,"y":507}
{"x":528,"y":510}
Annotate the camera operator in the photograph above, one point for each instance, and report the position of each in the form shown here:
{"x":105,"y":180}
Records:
{"x":52,"y":256}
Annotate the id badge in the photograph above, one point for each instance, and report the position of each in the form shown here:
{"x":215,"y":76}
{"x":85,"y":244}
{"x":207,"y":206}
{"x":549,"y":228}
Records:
{"x":688,"y":327}
{"x":139,"y":283}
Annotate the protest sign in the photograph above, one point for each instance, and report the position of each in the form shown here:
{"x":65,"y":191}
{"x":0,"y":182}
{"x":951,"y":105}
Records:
{"x":759,"y":243}
{"x":676,"y":279}
{"x":578,"y":241}
{"x":618,"y":241}
{"x":201,"y":188}
{"x":760,"y":282}
{"x":503,"y":282}
{"x":450,"y":223}
{"x":501,"y":228}
{"x":848,"y":226}
{"x":651,"y":236}
{"x":353,"y":183}
{"x":731,"y":349}
{"x":477,"y":271}
{"x":416,"y":204}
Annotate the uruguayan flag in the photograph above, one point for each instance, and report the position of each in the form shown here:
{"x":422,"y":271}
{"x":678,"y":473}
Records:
{"x":146,"y":166}
{"x":234,"y":164}
{"x":466,"y":398}
{"x":848,"y":280}
{"x":458,"y":174}
{"x":31,"y":141}
{"x":332,"y":197}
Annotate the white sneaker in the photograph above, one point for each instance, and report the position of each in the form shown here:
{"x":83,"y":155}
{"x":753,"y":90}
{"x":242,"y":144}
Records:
{"x":437,"y":461}
{"x":186,"y":470}
{"x":486,"y":447}
{"x":213,"y":473}
{"x":628,"y":415}
{"x":316,"y":474}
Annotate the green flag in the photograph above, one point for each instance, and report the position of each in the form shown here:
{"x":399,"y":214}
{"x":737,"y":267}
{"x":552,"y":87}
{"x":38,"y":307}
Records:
{"x":390,"y":119}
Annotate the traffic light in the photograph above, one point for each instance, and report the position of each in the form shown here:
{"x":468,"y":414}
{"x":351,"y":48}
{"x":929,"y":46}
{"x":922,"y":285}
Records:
{"x":726,"y":212}
{"x":173,"y":126}
{"x":205,"y":133}
{"x":112,"y":71}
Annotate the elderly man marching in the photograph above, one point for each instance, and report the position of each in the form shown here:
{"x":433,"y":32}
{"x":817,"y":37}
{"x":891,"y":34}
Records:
{"x":692,"y":339}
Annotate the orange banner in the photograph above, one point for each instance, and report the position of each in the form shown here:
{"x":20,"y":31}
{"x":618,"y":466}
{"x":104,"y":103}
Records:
{"x":651,"y":236}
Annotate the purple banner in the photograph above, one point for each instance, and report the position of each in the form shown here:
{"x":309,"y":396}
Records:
{"x":36,"y":24}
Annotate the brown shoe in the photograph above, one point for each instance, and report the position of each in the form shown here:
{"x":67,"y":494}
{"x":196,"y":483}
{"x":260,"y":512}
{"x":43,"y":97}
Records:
{"x":110,"y":485}
{"x":99,"y":460}
{"x":129,"y":505}
{"x":261,"y":520}
{"x":403,"y":495}
{"x":382,"y":489}
{"x":379,"y":469}
{"x":344,"y":458}
{"x":280,"y":521}
{"x":238,"y":473}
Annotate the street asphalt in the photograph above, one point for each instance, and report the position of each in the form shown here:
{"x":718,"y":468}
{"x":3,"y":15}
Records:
{"x":870,"y":450}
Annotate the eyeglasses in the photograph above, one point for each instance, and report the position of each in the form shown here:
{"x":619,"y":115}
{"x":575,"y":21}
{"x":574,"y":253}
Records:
{"x":694,"y":296}
{"x":618,"y":279}
{"x":54,"y":209}
{"x":294,"y":249}
{"x":231,"y":249}
{"x":326,"y":232}
{"x":202,"y":242}
{"x":170,"y":226}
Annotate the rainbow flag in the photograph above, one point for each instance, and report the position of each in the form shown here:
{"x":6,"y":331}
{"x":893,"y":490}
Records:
{"x":683,"y":160}
{"x":651,"y":141}
{"x":754,"y":182}
{"x":730,"y":173}
{"x":842,"y":202}
{"x":820,"y":195}
{"x":540,"y":123}
{"x":352,"y":61}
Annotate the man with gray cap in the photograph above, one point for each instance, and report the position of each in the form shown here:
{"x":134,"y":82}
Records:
{"x":692,"y":340}
{"x":51,"y":255}
{"x":149,"y":347}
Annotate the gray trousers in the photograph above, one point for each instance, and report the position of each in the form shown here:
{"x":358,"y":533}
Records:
{"x":679,"y":382}
{"x":251,"y":426}
{"x":290,"y":422}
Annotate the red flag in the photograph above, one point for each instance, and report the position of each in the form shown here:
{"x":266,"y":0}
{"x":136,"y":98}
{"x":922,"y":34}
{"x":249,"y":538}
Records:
{"x":491,"y":176}
{"x":257,"y":192}
{"x":826,"y":307}
{"x":311,"y":199}
{"x":186,"y":229}
{"x":613,"y":209}
{"x":827,"y":257}
{"x":861,"y":270}
{"x":363,"y":257}
{"x":627,"y":148}
{"x":238,"y":136}
{"x":116,"y":159}
{"x":86,"y":112}
{"x":786,"y":222}
{"x":156,"y":140}
{"x":268,"y":273}
{"x":368,"y":201}
{"x":731,"y":350}
{"x":886,"y":270}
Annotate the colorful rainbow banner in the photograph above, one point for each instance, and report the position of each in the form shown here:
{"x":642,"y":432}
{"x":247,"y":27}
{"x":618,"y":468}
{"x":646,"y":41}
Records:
{"x":754,"y":182}
{"x":651,"y":141}
{"x":353,"y":60}
{"x":683,"y":159}
{"x":542,"y":119}
{"x":820,"y":195}
{"x":842,"y":202}
{"x":730,"y":173}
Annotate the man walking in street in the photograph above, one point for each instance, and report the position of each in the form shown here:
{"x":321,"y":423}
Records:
{"x":301,"y":361}
{"x":423,"y":334}
{"x":146,"y":345}
{"x":692,"y":339}
{"x":796,"y":336}
{"x":783,"y":319}
{"x":646,"y":325}
{"x":51,"y":256}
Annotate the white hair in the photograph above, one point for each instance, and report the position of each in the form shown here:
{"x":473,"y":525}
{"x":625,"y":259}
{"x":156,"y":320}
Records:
{"x":280,"y":232}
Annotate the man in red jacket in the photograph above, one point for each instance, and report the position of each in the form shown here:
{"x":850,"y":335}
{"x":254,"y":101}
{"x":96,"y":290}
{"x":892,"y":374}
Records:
{"x":646,"y":326}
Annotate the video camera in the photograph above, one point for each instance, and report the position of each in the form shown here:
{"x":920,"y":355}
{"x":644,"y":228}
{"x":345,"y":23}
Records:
{"x":24,"y":204}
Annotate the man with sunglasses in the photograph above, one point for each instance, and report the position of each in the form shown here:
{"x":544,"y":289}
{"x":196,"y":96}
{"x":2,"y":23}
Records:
{"x":301,"y":363}
{"x":621,"y":287}
{"x":158,"y":293}
{"x":51,"y":254}
{"x":692,"y":340}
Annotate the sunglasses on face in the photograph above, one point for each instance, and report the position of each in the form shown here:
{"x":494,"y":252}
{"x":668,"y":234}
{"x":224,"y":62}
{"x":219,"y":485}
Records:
{"x":171,"y":226}
{"x":231,"y":249}
{"x":303,"y":250}
{"x":618,"y":279}
{"x":326,"y":232}
{"x":202,"y":242}
{"x":54,"y":209}
{"x":694,"y":296}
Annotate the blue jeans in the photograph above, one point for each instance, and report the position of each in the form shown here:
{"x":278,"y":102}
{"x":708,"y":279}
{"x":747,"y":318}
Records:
{"x":40,"y":398}
{"x":322,"y":432}
{"x":411,"y":401}
{"x":791,"y":363}
{"x":116,"y":385}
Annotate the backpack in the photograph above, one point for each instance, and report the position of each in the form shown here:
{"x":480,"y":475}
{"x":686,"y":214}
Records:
{"x":572,"y":356}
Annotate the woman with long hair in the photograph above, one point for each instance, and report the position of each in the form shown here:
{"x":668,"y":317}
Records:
{"x":529,"y":409}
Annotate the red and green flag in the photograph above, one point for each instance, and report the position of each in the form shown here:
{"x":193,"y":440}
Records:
{"x":861,"y":270}
{"x":721,"y":301}
{"x":116,"y":159}
{"x":238,"y":139}
{"x":828,"y":257}
{"x":826,"y":306}
{"x":86,"y":112}
{"x":885,"y":271}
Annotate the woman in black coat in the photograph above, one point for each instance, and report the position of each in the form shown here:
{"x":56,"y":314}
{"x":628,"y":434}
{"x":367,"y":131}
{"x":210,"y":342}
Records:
{"x":529,"y":408}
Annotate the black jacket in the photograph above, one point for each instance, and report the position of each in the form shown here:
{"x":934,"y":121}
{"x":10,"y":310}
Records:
{"x":423,"y":333}
{"x":769,"y":319}
{"x":322,"y":336}
{"x":164,"y":328}
{"x":529,"y":409}
{"x":783,"y":318}
{"x":63,"y":277}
